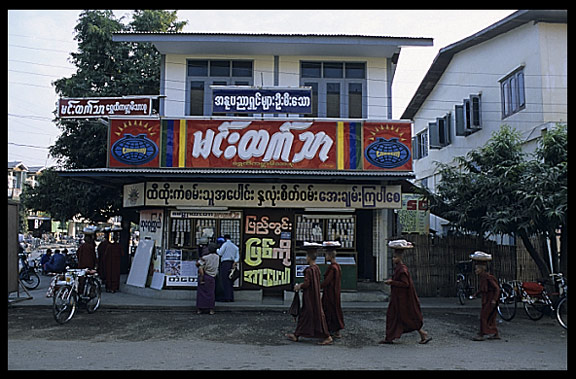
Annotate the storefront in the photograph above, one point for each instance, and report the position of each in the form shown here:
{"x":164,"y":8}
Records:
{"x":270,"y":184}
{"x":276,"y":140}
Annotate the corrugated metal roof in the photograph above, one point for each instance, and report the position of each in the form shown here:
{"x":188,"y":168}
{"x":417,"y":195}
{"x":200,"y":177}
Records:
{"x":241,"y":172}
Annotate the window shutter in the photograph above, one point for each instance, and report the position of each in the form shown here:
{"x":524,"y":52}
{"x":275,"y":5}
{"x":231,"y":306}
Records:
{"x":434,"y":139}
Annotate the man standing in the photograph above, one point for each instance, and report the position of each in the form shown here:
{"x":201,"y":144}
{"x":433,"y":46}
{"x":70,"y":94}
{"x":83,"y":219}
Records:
{"x":331,"y":296}
{"x":311,"y":320}
{"x":489,"y":289}
{"x":229,"y":258}
{"x":404,"y":314}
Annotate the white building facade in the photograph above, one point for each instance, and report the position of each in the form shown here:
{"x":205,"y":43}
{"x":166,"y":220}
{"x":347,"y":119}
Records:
{"x":512,"y":73}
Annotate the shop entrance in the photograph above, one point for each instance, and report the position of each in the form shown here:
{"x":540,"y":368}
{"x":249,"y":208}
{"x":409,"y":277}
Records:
{"x":366,"y":259}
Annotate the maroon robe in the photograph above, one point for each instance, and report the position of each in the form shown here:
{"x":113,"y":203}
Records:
{"x":331,"y":297}
{"x":404,"y":314}
{"x":311,"y":321}
{"x":101,"y":253}
{"x":86,"y":255}
{"x":112,"y":266}
{"x":489,"y":289}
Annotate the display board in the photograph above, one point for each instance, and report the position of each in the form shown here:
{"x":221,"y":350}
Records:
{"x":140,"y":264}
{"x":267,"y":247}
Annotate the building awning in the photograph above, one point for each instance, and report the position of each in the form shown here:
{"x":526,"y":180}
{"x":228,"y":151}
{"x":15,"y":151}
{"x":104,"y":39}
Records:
{"x":121,"y":176}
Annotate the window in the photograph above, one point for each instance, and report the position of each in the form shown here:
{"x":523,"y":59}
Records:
{"x":333,"y":100}
{"x":468,"y":116}
{"x":338,"y":88}
{"x":439,"y":133}
{"x":513,"y":97}
{"x":202,"y":73}
{"x":420,"y":145}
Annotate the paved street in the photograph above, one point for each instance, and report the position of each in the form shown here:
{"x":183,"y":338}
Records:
{"x":242,"y":340}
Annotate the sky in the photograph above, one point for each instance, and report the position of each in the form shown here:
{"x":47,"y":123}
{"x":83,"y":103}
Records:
{"x":40,"y":43}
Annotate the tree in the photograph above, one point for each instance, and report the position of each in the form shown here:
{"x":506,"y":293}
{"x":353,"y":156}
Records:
{"x":103,"y":68}
{"x":496,"y":190}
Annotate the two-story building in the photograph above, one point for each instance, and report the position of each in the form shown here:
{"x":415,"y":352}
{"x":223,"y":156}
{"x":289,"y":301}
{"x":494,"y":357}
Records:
{"x":513,"y":72}
{"x":274,"y":139}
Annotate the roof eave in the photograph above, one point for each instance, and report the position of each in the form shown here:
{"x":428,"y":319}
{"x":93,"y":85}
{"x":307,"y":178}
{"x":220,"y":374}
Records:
{"x":445,"y":54}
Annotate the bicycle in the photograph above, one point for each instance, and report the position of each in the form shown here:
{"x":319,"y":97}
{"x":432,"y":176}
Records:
{"x":27,"y":275}
{"x":70,"y":293}
{"x":464,"y":287}
{"x":535,"y":299}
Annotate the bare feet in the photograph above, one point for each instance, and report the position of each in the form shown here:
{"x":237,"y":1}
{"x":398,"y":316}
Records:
{"x":291,"y":337}
{"x":327,"y":341}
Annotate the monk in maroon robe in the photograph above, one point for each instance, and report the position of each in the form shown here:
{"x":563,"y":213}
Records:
{"x":489,"y":289}
{"x":86,"y":253}
{"x":331,"y":286}
{"x":311,"y":320}
{"x":404,"y":314}
{"x":101,"y":250}
{"x":112,"y":265}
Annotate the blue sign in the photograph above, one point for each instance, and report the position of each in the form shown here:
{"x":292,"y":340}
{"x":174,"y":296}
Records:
{"x":261,"y":100}
{"x":134,"y":150}
{"x":387,"y":153}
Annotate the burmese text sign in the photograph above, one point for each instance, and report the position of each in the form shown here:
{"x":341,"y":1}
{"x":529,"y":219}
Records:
{"x":267,"y":261}
{"x":261,"y":144}
{"x":261,"y":100}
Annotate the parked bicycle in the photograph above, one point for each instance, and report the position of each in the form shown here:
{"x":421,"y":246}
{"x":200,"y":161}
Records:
{"x":28,"y":276}
{"x":535,"y":299}
{"x":464,"y":288}
{"x":73,"y":288}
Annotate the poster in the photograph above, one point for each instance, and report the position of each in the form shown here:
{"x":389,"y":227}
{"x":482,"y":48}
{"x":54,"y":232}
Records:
{"x":267,"y":249}
{"x":388,"y":146}
{"x":180,"y":269}
{"x":134,"y":143}
{"x":414,"y":217}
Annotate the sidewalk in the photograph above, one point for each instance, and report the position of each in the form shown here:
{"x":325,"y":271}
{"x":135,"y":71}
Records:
{"x":148,"y":299}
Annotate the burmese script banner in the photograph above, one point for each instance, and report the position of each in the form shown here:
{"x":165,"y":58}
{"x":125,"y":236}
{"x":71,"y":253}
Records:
{"x":261,"y":144}
{"x":267,"y":252}
{"x":366,"y":196}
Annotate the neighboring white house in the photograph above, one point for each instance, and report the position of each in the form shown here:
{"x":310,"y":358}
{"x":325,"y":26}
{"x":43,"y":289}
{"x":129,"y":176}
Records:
{"x":513,"y":72}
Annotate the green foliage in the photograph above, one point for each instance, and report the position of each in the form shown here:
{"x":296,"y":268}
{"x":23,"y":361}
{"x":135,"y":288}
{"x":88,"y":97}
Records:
{"x":497,"y":189}
{"x":103,"y":68}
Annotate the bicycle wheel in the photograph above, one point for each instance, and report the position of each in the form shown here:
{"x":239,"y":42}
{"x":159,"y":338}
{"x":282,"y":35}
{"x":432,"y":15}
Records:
{"x":95,"y":293}
{"x":507,"y":304}
{"x":562,"y":312}
{"x":460,"y":292}
{"x":64,"y":304}
{"x":534,"y":309}
{"x":29,"y":279}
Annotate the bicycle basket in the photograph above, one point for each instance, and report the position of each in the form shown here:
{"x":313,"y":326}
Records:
{"x":532,"y":288}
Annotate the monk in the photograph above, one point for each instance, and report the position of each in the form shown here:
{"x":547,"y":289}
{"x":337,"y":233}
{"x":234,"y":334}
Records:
{"x":86,"y":253}
{"x":112,"y":264}
{"x":331,"y":286}
{"x":404,"y":314}
{"x":489,"y":289}
{"x":101,"y":250}
{"x":311,"y":320}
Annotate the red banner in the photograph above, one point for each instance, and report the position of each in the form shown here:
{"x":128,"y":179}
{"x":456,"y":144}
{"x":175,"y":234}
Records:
{"x":261,"y":144}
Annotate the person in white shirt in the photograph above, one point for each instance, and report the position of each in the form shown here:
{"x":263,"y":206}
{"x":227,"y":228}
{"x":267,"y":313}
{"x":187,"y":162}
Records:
{"x":229,"y":258}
